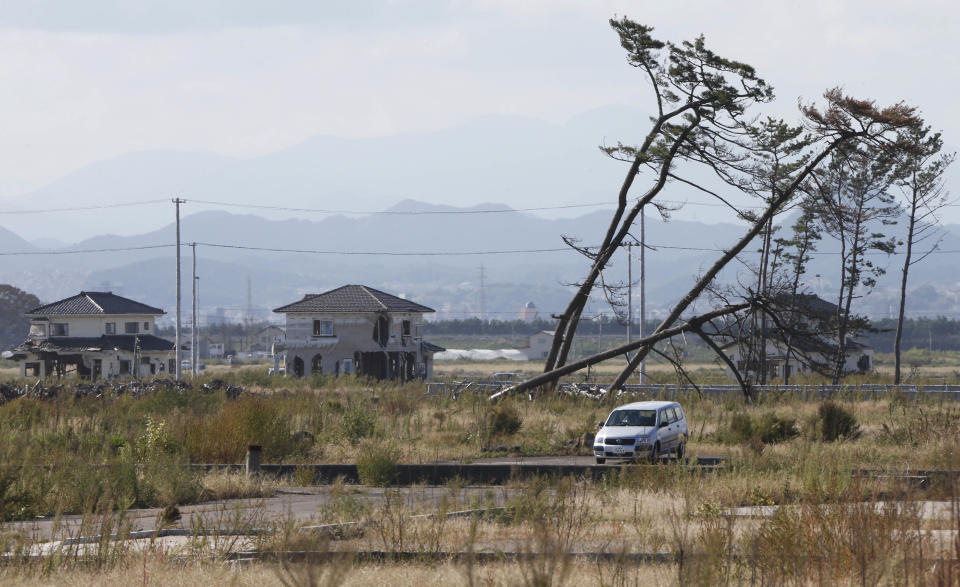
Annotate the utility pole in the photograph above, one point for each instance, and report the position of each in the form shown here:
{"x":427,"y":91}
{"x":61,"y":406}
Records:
{"x":643,"y":292}
{"x":194,"y":337}
{"x":196,"y":282}
{"x":178,"y":201}
{"x":483,"y":297}
{"x":629,"y":291}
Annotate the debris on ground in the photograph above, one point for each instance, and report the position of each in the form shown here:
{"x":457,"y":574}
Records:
{"x":101,"y":389}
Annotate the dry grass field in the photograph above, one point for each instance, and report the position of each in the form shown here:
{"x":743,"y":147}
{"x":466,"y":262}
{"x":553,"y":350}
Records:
{"x":792,"y":459}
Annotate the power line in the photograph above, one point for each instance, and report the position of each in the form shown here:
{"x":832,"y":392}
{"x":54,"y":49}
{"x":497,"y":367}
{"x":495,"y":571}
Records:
{"x":81,"y":208}
{"x":393,"y":253}
{"x":385,"y":253}
{"x":400,"y":212}
{"x":81,"y":251}
{"x":368,"y":212}
{"x":346,"y":211}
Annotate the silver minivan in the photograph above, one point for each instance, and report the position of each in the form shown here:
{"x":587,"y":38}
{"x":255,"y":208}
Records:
{"x":642,"y":430}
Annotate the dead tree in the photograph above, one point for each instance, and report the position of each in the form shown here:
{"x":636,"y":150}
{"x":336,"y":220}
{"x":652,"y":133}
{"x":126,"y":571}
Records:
{"x":701,"y":101}
{"x":843,"y":121}
{"x":692,"y":325}
{"x":694,"y":89}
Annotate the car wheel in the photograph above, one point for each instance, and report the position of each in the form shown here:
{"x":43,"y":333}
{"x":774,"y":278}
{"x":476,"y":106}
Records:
{"x":681,"y":450}
{"x":601,"y":461}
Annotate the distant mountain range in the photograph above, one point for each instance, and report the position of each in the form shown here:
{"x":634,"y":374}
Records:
{"x":515,"y":159}
{"x":332,"y":255}
{"x":525,"y":162}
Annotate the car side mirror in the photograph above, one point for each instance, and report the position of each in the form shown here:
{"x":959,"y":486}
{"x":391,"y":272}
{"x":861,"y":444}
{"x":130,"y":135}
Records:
{"x":600,"y":424}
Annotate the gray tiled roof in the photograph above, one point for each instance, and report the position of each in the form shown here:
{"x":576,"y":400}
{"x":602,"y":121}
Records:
{"x":429,"y":347}
{"x":352,"y":299}
{"x":93,"y":303}
{"x":148,"y":343}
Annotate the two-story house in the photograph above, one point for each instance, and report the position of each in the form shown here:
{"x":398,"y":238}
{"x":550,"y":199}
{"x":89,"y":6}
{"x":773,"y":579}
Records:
{"x":94,"y":334}
{"x":356,"y":329}
{"x":811,"y":347}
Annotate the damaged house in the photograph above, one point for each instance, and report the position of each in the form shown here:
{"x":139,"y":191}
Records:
{"x":356,"y":329}
{"x":810,"y":347}
{"x":94,"y":334}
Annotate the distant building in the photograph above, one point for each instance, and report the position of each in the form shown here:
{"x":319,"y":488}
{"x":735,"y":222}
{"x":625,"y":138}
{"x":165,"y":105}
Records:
{"x":94,"y":334}
{"x":216,"y":350}
{"x":356,"y":329}
{"x":266,"y":337}
{"x":529,"y":312}
{"x":538,"y":345}
{"x":806,"y":353}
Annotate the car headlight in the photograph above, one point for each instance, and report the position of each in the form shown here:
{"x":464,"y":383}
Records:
{"x":599,"y":440}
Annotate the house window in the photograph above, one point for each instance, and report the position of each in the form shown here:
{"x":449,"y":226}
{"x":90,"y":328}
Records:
{"x":38,"y":330}
{"x":323,"y":327}
{"x":110,"y":328}
{"x":405,"y":325}
{"x":131,"y":327}
{"x":346,"y":366}
{"x":146,"y":327}
{"x":59,"y":329}
{"x":418,"y":332}
{"x":124,"y":367}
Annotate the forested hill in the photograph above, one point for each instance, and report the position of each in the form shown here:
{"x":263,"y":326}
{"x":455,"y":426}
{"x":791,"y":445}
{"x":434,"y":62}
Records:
{"x":939,"y":334}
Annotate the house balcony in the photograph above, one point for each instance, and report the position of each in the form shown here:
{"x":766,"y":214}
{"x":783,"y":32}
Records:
{"x":311,"y":342}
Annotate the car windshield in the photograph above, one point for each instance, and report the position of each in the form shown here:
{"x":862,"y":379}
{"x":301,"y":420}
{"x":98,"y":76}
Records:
{"x":632,"y":418}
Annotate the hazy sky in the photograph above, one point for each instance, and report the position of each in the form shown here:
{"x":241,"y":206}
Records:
{"x":89,"y":80}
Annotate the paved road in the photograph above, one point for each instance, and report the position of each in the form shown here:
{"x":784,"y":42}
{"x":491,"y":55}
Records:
{"x":303,"y":504}
{"x":580,"y":461}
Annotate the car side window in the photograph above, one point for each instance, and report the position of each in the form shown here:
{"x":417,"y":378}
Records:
{"x":673,"y":415}
{"x":679,"y":411}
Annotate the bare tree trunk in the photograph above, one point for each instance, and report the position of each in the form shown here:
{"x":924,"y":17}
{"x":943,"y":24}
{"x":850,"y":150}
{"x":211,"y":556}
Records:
{"x":903,"y":293}
{"x":853,"y":277}
{"x":744,"y":385}
{"x":569,"y":320}
{"x":762,"y":292}
{"x":691,"y":325}
{"x":727,"y":256}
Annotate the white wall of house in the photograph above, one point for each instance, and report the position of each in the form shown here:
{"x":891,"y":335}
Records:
{"x":776,"y":362}
{"x":113,"y":363}
{"x":538,"y":345}
{"x":94,"y":326}
{"x":351,"y":333}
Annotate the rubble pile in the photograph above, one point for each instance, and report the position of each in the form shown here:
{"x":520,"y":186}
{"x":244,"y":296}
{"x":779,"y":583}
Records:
{"x":588,"y":390}
{"x":101,"y":389}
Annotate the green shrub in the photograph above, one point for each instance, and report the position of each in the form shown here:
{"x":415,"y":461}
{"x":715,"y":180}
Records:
{"x":504,"y":421}
{"x":772,"y":429}
{"x":223,"y":437}
{"x":836,"y":422}
{"x":768,"y":428}
{"x":377,"y":464}
{"x":358,"y":422}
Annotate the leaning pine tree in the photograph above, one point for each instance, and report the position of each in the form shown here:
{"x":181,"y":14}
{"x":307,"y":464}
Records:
{"x":702,"y":103}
